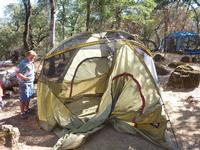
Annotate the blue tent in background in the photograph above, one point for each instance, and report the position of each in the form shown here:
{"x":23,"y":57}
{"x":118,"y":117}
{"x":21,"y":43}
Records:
{"x":187,"y":42}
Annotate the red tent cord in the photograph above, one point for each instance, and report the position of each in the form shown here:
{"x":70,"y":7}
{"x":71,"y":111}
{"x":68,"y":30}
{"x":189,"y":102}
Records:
{"x":138,"y":85}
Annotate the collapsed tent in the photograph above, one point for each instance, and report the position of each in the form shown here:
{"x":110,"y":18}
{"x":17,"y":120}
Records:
{"x":90,"y":79}
{"x":187,"y":42}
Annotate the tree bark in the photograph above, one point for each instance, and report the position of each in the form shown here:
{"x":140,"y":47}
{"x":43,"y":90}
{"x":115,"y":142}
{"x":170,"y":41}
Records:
{"x":88,"y":15}
{"x":63,"y":4}
{"x":26,"y":34}
{"x":101,"y":7}
{"x":196,"y":18}
{"x":197,"y":2}
{"x":118,"y":17}
{"x":166,"y":21}
{"x":31,"y":43}
{"x":63,"y":21}
{"x":52,"y":24}
{"x":52,"y":37}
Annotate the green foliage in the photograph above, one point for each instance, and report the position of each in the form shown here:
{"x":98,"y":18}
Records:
{"x":11,"y":29}
{"x":151,"y":19}
{"x":68,"y":18}
{"x":39,"y":25}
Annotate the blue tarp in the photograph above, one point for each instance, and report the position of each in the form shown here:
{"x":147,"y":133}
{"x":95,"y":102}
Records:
{"x":192,"y":52}
{"x":181,"y":35}
{"x":181,"y":41}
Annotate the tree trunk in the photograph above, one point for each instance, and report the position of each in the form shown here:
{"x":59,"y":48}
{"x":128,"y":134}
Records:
{"x":52,"y":36}
{"x":88,"y":15}
{"x":166,"y":21}
{"x":31,"y":43}
{"x":64,"y":3}
{"x":156,"y":33}
{"x":196,"y":18}
{"x":52,"y":24}
{"x":157,"y":37}
{"x":26,"y":34}
{"x":101,"y":7}
{"x":117,"y":17}
{"x":197,"y":2}
{"x":63,"y":21}
{"x":185,"y":18}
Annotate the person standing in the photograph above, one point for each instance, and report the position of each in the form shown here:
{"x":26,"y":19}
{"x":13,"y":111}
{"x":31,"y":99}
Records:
{"x":26,"y":75}
{"x":1,"y":95}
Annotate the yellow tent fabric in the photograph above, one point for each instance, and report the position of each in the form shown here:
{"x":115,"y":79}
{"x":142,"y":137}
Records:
{"x":124,"y":93}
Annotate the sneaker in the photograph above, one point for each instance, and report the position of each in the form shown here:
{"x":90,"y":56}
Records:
{"x":29,"y":111}
{"x":24,"y":115}
{"x":1,"y":104}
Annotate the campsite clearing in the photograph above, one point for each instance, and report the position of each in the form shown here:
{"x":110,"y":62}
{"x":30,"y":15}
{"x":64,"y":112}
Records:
{"x":183,"y":107}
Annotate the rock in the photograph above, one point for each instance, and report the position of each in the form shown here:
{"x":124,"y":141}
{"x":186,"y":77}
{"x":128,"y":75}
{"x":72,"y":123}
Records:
{"x":185,"y":77}
{"x":6,"y":63}
{"x":186,"y":59}
{"x":8,"y":79}
{"x":175,"y":64}
{"x":9,"y":136}
{"x":161,"y":69}
{"x":158,"y":57}
{"x":191,"y":100}
{"x":196,"y":59}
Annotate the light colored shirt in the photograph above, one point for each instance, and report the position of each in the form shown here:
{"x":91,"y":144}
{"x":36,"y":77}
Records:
{"x":27,"y":69}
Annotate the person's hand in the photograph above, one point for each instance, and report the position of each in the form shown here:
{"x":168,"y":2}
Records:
{"x":26,"y":78}
{"x":21,"y":76}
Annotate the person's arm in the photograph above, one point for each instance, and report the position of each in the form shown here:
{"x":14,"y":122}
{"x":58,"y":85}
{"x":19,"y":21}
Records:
{"x":21,"y":76}
{"x":1,"y":89}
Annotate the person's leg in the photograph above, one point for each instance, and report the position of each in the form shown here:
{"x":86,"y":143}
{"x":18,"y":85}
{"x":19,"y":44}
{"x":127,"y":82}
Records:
{"x":1,"y":94}
{"x":30,"y":91}
{"x":23,"y":99}
{"x":22,"y":105}
{"x":23,"y":112}
{"x":27,"y":105}
{"x":1,"y":103}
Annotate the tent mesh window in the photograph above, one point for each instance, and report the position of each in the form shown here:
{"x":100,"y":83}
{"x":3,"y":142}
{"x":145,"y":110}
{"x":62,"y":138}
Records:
{"x":85,"y":67}
{"x":75,"y":40}
{"x":119,"y":35}
{"x":91,"y":68}
{"x":54,"y":67}
{"x":64,"y":65}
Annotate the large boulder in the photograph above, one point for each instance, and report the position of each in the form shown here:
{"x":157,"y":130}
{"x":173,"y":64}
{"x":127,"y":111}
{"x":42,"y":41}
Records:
{"x":175,"y":64}
{"x":196,"y":59}
{"x":186,"y":59}
{"x":8,"y":78}
{"x":184,"y":76}
{"x":9,"y":136}
{"x":158,"y":58}
{"x":161,"y":69}
{"x":6,"y":63}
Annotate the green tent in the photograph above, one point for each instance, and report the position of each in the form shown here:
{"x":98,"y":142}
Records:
{"x":90,"y":79}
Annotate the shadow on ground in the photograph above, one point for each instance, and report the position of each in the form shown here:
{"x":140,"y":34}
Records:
{"x":110,"y":139}
{"x":106,"y":139}
{"x":187,"y":125}
{"x":30,"y":132}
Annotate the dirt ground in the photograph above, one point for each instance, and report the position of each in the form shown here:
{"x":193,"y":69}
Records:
{"x":183,"y":107}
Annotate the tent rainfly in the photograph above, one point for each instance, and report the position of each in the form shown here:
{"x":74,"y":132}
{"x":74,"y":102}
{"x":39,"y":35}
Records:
{"x":93,"y":78}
